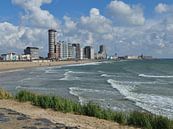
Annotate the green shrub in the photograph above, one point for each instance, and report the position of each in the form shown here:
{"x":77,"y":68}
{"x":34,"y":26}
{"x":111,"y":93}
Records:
{"x":120,"y":117}
{"x":4,"y":94}
{"x":140,"y":119}
{"x":160,"y":122}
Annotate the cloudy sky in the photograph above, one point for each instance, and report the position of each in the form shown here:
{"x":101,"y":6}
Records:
{"x":126,"y":27}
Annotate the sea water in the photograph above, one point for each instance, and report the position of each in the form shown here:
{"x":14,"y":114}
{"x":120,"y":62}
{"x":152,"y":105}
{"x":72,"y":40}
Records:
{"x":117,"y":85}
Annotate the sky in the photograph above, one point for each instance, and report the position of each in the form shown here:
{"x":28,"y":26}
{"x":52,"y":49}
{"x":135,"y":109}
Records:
{"x":126,"y":27}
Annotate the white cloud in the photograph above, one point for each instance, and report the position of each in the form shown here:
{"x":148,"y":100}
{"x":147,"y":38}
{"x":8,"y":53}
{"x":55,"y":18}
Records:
{"x":17,"y":38}
{"x":161,"y":8}
{"x":34,"y":15}
{"x":128,"y":36}
{"x":69,"y":24}
{"x":96,"y":22}
{"x":94,"y":12}
{"x":124,"y":13}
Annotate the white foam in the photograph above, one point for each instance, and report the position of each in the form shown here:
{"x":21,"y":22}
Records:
{"x":35,"y":88}
{"x":68,"y":76}
{"x":76,"y":91}
{"x":160,"y":105}
{"x":85,"y":64}
{"x":25,"y":79}
{"x":105,"y":75}
{"x":10,"y":71}
{"x":154,"y":76}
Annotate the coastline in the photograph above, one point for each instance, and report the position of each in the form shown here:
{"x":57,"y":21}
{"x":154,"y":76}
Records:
{"x":80,"y":121}
{"x":6,"y":66}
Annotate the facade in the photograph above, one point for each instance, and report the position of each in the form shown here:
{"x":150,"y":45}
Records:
{"x":88,"y":52}
{"x":92,"y":53}
{"x":70,"y":51}
{"x":33,"y":51}
{"x":78,"y":51}
{"x":52,"y":43}
{"x":63,"y":51}
{"x":25,"y":57}
{"x":81,"y":54}
{"x":10,"y":57}
{"x":102,"y":52}
{"x":57,"y":50}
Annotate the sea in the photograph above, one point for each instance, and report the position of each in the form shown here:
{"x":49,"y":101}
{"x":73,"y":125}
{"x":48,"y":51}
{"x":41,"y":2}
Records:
{"x":127,"y":85}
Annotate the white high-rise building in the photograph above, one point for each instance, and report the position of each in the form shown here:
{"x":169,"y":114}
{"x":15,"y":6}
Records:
{"x":92,"y":53}
{"x":63,"y":51}
{"x":81,"y":54}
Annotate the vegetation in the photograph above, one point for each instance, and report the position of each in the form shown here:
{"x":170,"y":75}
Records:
{"x":138,"y":119}
{"x":4,"y":94}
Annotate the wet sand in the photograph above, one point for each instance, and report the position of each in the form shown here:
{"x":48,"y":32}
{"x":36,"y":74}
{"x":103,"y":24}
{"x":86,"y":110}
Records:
{"x":52,"y":117}
{"x":21,"y":65}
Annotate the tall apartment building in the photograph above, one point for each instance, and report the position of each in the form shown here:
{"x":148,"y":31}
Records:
{"x":78,"y":51}
{"x":102,"y":52}
{"x":63,"y":50}
{"x":57,"y":50}
{"x":88,"y":52}
{"x":52,"y":43}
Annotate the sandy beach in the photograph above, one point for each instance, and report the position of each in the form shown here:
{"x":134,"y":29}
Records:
{"x":21,"y":65}
{"x":71,"y":120}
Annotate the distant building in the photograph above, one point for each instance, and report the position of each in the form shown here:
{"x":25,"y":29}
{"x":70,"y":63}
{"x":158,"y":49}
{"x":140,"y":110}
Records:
{"x":81,"y":53}
{"x":57,"y":50}
{"x":25,"y":57}
{"x":132,"y":57}
{"x":52,"y":43}
{"x":92,"y":53}
{"x":88,"y":52}
{"x":63,"y":50}
{"x":33,"y":51}
{"x":102,"y":52}
{"x":10,"y":57}
{"x":78,"y":50}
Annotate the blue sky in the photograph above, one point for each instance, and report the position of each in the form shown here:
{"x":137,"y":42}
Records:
{"x":113,"y":23}
{"x":74,"y":8}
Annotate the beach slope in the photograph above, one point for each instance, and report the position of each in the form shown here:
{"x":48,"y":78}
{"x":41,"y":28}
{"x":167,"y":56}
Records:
{"x":67,"y":119}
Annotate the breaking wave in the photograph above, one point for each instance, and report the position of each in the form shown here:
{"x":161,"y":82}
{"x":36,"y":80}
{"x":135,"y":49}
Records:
{"x":76,"y":91}
{"x":154,"y":76}
{"x":69,"y":76}
{"x":160,"y":105}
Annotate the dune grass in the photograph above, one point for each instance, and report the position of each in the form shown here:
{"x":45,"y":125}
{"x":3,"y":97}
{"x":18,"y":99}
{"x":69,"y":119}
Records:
{"x":137,"y":119}
{"x":4,"y":94}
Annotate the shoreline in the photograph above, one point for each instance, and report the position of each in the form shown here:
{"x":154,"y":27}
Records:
{"x":8,"y":66}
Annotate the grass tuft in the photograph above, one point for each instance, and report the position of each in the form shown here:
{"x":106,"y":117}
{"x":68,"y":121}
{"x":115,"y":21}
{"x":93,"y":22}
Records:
{"x":4,"y":94}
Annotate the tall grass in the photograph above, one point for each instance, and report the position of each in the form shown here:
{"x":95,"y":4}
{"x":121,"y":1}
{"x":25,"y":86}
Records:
{"x":138,"y":119}
{"x":4,"y":94}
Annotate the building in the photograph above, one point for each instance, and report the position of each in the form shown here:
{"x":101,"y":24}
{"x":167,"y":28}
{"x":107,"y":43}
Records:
{"x":81,"y":54}
{"x":57,"y":50}
{"x":132,"y":57}
{"x":88,"y":52}
{"x":92,"y":53}
{"x":52,"y":43}
{"x":10,"y":57}
{"x":78,"y":50}
{"x":63,"y":51}
{"x":102,"y":52}
{"x":70,"y":52}
{"x":25,"y":57}
{"x":33,"y":51}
